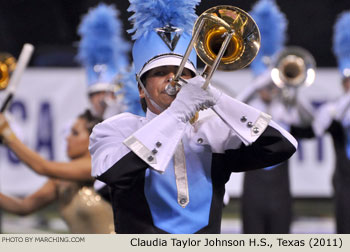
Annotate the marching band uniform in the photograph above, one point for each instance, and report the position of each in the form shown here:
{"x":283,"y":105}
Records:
{"x":103,"y":53}
{"x":123,"y":161}
{"x":167,"y":175}
{"x":266,"y":205}
{"x":334,"y":118}
{"x":266,"y":197}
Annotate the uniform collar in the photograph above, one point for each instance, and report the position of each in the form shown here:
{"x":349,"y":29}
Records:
{"x":150,"y":115}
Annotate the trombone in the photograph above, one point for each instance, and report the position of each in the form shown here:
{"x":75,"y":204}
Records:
{"x":293,"y":67}
{"x":224,"y":37}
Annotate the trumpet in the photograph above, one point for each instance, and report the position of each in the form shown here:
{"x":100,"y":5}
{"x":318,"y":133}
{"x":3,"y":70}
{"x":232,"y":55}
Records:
{"x":224,"y":37}
{"x":293,"y":67}
{"x":7,"y":66}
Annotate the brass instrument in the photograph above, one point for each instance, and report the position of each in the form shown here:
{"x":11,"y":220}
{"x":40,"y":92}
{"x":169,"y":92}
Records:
{"x":21,"y":64}
{"x":224,"y":37}
{"x":293,"y":67}
{"x":7,"y":66}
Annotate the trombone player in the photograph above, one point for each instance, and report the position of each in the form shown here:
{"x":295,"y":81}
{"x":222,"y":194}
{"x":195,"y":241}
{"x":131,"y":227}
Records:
{"x":266,"y":202}
{"x":167,"y":174}
{"x":266,"y":198}
{"x":334,"y":118}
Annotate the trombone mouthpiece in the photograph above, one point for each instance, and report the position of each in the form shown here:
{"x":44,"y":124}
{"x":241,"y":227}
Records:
{"x":170,"y":89}
{"x":174,"y":86}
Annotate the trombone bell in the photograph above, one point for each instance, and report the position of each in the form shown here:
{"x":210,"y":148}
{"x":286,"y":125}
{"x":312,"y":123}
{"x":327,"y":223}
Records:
{"x":213,"y":42}
{"x":293,"y":69}
{"x":218,"y":21}
{"x":224,"y":37}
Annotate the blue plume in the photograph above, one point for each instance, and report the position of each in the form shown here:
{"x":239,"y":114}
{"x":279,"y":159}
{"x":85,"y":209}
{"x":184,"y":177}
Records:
{"x":150,"y":14}
{"x":341,"y":41}
{"x":272,"y":24}
{"x":131,"y":98}
{"x":102,"y":42}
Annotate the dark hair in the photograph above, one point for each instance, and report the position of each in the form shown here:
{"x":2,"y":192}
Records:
{"x":90,"y":119}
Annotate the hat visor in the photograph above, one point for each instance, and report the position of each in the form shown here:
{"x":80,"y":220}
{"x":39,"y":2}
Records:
{"x":167,"y":60}
{"x":101,"y":87}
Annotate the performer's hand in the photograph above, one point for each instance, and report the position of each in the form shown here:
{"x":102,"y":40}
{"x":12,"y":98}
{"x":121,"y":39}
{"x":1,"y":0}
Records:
{"x":6,"y":133}
{"x":192,"y":98}
{"x":216,"y":93}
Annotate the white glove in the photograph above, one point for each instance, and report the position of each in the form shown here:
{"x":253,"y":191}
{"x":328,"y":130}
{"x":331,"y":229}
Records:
{"x":323,"y":118}
{"x":192,"y":98}
{"x":342,"y":106}
{"x":216,"y":93}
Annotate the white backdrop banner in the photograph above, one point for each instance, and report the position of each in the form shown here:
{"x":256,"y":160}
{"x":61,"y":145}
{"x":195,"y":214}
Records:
{"x":45,"y":104}
{"x":48,"y":100}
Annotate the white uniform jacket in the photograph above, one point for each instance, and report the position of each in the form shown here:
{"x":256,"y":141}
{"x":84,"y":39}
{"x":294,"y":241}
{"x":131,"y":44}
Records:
{"x":134,"y":155}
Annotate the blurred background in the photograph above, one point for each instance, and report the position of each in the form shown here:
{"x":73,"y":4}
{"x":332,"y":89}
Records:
{"x":51,"y":26}
{"x":53,"y":91}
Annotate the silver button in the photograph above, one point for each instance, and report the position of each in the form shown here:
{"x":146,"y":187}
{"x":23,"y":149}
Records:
{"x":249,"y":124}
{"x":256,"y":130}
{"x":243,"y":119}
{"x":158,"y":144}
{"x":183,"y":201}
{"x":199,"y":140}
{"x":154,"y":151}
{"x":150,"y":158}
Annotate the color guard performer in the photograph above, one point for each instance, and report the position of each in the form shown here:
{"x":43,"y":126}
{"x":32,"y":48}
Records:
{"x":70,"y":183}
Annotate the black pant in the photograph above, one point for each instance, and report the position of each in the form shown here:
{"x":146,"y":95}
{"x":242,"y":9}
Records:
{"x":342,"y":204}
{"x":266,"y":201}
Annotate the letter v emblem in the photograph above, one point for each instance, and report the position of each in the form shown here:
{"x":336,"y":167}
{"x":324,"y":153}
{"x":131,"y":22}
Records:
{"x":170,"y":35}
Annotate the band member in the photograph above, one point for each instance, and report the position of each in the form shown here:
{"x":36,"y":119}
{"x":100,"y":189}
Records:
{"x":166,"y":174}
{"x":70,"y":183}
{"x":334,"y":118}
{"x":104,"y":54}
{"x":266,"y":202}
{"x":266,"y":198}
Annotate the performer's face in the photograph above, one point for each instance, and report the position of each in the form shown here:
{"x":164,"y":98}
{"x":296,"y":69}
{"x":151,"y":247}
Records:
{"x":98,"y":101}
{"x":346,"y":84}
{"x":78,"y":140}
{"x":156,"y":81}
{"x":267,"y":94}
